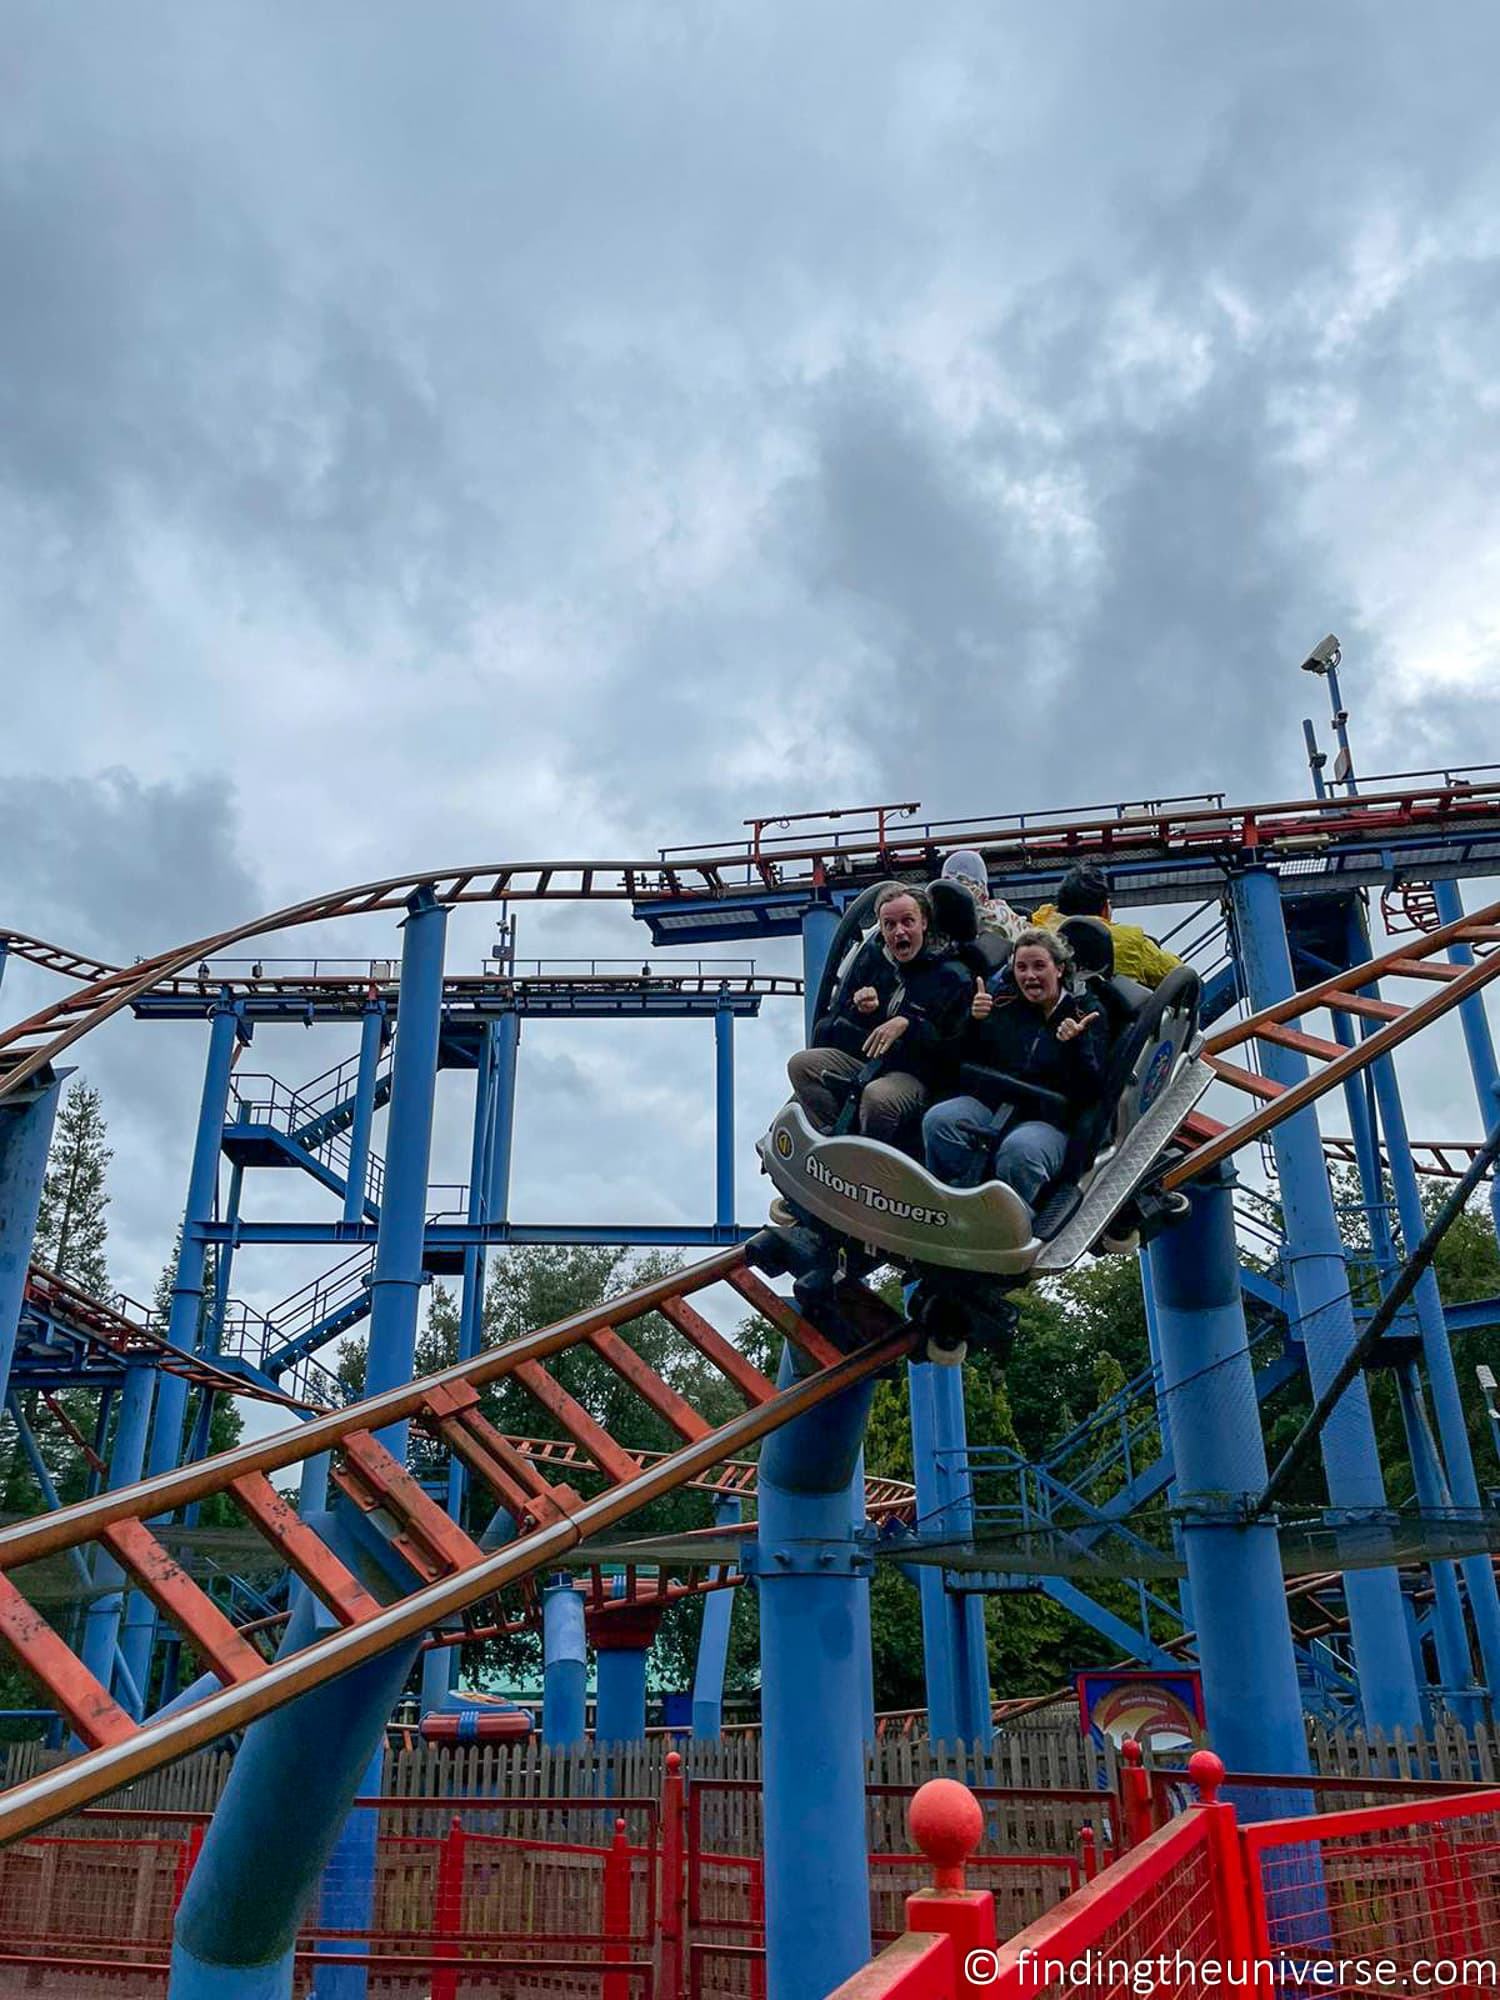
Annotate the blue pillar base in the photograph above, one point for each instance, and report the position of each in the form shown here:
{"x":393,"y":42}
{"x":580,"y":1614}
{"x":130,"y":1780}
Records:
{"x":195,"y":1978}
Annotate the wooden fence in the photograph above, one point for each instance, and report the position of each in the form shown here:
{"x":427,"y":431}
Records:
{"x":1052,"y":1758}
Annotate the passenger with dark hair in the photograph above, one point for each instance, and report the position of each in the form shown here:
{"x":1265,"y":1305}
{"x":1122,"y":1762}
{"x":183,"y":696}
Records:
{"x":1085,"y":892}
{"x":1025,"y":1029}
{"x":900,"y":1004}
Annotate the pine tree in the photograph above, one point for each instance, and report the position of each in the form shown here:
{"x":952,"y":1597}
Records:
{"x":71,"y":1228}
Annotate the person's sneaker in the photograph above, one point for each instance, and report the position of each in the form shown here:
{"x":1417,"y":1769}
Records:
{"x":946,"y":1353}
{"x":782,"y":1213}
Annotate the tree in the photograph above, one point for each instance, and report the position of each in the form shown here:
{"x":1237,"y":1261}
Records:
{"x":70,"y":1237}
{"x":71,"y":1229}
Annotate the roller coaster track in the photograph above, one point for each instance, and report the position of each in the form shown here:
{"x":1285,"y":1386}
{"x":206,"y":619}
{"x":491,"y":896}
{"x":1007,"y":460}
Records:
{"x":1455,"y":809}
{"x":123,"y":1329}
{"x":450,"y":1571}
{"x":1210,"y":1141}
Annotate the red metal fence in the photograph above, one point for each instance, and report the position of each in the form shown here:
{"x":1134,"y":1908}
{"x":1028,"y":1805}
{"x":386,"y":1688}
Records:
{"x":639,"y":1898}
{"x":1401,"y":1898}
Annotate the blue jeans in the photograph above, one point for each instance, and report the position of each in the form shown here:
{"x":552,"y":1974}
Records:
{"x":959,"y":1138}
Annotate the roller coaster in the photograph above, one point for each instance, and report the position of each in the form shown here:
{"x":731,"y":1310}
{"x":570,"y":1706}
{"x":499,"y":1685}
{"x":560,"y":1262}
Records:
{"x":384,"y":1567}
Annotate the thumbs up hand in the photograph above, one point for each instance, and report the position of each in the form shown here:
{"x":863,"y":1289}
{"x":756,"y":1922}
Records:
{"x":1076,"y":1025}
{"x":983,"y":1003}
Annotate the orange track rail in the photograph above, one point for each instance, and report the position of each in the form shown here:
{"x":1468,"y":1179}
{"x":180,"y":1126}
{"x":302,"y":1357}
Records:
{"x":452,"y":1571}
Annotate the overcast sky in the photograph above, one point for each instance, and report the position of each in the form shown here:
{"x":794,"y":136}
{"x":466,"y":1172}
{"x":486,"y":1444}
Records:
{"x":452,"y":432}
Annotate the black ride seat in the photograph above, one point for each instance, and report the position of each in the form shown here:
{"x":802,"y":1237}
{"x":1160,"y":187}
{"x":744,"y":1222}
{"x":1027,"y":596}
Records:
{"x":956,"y":922}
{"x":1134,"y":1013}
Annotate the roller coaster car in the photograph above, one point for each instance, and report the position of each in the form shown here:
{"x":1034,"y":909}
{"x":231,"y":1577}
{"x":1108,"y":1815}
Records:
{"x":969,"y":1247}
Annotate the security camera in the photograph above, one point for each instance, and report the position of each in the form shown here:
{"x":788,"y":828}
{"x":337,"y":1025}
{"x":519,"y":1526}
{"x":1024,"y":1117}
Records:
{"x":1325,"y":655}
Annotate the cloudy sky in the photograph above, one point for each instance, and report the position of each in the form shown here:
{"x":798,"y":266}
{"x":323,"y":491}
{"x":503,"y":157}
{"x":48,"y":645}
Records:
{"x":450,"y":432}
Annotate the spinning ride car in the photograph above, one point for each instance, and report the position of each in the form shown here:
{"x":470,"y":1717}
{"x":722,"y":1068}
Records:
{"x":856,"y":1197}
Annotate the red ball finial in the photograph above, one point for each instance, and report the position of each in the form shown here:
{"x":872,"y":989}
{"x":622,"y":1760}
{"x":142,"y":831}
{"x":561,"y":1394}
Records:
{"x":1207,"y":1773}
{"x":1130,"y":1750}
{"x":674,"y":1761}
{"x":947,"y":1823}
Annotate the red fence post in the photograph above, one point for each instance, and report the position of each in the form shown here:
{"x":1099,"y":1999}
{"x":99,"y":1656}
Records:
{"x":672,"y":1886}
{"x":448,"y":1909}
{"x":187,"y":1861}
{"x":1226,"y":1858}
{"x":758,"y":1917}
{"x":1138,"y":1820}
{"x":617,"y":1913}
{"x":947,"y":1823}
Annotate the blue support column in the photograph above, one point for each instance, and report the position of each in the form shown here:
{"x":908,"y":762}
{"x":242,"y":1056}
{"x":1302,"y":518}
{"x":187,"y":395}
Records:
{"x":396,"y":1284}
{"x":564,"y":1665}
{"x":187,"y":1287}
{"x":1478,"y":1039}
{"x":1457,"y":1458}
{"x":1455,"y":1667}
{"x":371,"y":1027}
{"x":723,"y":1116}
{"x":1320,"y":1278}
{"x":295,"y":1776}
{"x":819,"y":923}
{"x":127,"y":1454}
{"x":953,"y":1640}
{"x":508,"y":1051}
{"x":185,"y":1319}
{"x":440,"y":1666}
{"x":1164,"y":1426}
{"x":864,"y":1644}
{"x":620,"y":1696}
{"x":1455,"y":1662}
{"x":25,"y":1135}
{"x":1208,"y":1399}
{"x":807,"y":1565}
{"x":346,"y":1900}
{"x":713,"y":1640}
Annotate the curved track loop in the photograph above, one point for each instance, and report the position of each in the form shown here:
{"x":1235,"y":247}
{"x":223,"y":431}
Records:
{"x":850,"y":857}
{"x":450,"y":1571}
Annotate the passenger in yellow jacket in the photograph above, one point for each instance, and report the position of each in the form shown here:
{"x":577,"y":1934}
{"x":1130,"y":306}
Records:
{"x":1084,"y":892}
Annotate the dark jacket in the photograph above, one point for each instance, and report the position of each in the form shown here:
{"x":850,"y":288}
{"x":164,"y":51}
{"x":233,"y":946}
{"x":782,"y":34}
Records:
{"x":1015,"y":1037}
{"x":933,"y":993}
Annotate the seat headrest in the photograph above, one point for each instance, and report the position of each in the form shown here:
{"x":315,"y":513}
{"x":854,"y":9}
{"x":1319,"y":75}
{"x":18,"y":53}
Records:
{"x":1092,"y":943}
{"x":954,"y":911}
{"x":994,"y":951}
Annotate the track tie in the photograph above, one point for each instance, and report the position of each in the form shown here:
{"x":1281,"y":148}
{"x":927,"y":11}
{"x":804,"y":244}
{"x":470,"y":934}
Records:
{"x":304,"y":1551}
{"x":648,"y":1385}
{"x":433,"y":1545}
{"x":612,"y":1459}
{"x":190,"y":1609}
{"x":452,"y":1413}
{"x":712,"y":1345}
{"x":785,"y":1317}
{"x":1248,"y":1080}
{"x":95,"y":1715}
{"x":1425,"y":968}
{"x":1294,"y":1038}
{"x":1367,"y":1005}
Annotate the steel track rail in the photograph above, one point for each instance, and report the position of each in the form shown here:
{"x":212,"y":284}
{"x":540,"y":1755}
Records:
{"x":54,"y":1794}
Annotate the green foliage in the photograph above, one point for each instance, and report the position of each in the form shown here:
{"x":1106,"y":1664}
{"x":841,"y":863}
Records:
{"x":71,"y":1233}
{"x":71,"y":1228}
